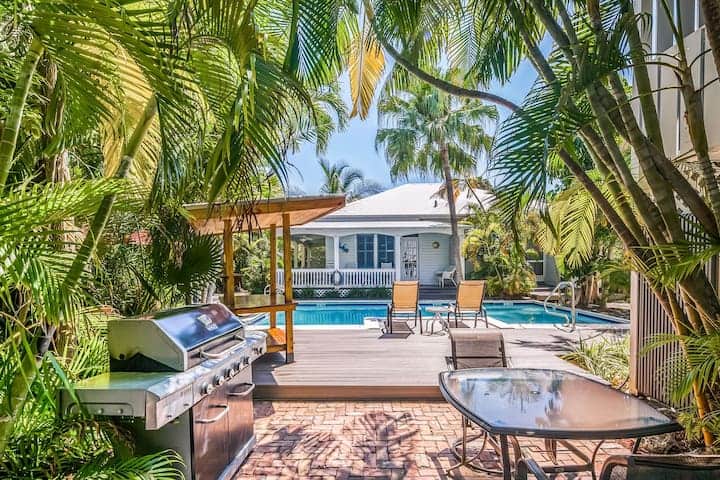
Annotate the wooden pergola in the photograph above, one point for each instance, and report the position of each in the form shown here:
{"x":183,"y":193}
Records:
{"x":227,"y":218}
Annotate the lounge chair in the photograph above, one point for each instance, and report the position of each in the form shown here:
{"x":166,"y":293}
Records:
{"x":643,"y":467}
{"x":444,"y":275}
{"x":404,"y":303}
{"x":469,"y":301}
{"x":476,"y":349}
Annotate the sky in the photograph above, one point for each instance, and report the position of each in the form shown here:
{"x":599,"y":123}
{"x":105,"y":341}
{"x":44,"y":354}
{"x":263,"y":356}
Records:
{"x":356,"y":144}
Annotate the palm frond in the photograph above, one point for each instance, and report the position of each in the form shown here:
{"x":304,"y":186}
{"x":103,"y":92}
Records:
{"x":366,"y":67}
{"x":30,"y":256}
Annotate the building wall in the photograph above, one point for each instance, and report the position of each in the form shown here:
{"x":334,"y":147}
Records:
{"x":348,"y":259}
{"x":551,"y":276}
{"x":329,"y":253}
{"x":431,"y":260}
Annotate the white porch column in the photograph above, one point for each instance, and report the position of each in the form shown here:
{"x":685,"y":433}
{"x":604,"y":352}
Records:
{"x":336,"y":252}
{"x":461,"y":269}
{"x":398,"y":268}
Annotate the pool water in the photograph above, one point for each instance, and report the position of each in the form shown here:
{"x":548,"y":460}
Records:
{"x":348,"y":314}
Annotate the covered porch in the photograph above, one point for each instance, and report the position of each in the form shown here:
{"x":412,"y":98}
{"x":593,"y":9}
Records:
{"x":366,"y":259}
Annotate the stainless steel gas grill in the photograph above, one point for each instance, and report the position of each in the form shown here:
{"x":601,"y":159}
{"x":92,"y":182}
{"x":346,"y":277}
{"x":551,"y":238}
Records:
{"x":180,"y":379}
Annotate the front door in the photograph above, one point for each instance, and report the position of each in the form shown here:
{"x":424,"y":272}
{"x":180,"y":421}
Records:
{"x":409,"y":258}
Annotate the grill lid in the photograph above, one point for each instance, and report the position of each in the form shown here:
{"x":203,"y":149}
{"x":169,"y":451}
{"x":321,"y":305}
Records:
{"x":194,"y":326}
{"x":173,"y":339}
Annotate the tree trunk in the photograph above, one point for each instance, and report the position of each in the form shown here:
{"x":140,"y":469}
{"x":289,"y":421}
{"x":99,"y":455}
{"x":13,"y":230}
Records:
{"x":455,"y":257}
{"x":103,"y":214}
{"x":711,"y":12}
{"x":9,"y":136}
{"x":15,"y":398}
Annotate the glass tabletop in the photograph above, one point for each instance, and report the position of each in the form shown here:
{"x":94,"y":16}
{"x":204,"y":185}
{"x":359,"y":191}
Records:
{"x":549,"y":404}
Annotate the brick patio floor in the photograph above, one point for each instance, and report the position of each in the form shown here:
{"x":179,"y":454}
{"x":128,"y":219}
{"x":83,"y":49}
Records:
{"x":365,"y":440}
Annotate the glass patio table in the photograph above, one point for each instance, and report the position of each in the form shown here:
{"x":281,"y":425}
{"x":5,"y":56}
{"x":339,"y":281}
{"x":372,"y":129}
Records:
{"x":553,"y":405}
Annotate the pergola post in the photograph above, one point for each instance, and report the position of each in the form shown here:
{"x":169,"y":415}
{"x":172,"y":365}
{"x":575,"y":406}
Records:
{"x":228,"y":255}
{"x":273,"y":272}
{"x":287,"y":270}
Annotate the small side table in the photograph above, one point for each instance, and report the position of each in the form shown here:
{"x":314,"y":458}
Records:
{"x":439,"y":314}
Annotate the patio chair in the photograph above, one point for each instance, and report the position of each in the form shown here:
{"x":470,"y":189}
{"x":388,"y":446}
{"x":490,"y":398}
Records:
{"x":444,"y":275}
{"x":404,"y":303}
{"x":476,"y":349}
{"x":469,"y":301}
{"x":643,"y":467}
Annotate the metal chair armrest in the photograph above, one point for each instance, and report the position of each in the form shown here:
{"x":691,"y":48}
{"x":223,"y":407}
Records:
{"x":528,"y":465}
{"x":611,"y":463}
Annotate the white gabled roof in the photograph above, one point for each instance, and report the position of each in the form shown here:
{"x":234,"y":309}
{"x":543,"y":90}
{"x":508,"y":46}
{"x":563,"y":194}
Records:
{"x":412,"y":200}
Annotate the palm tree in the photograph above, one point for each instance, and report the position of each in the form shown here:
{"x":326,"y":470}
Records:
{"x":342,"y":178}
{"x":431,"y":133}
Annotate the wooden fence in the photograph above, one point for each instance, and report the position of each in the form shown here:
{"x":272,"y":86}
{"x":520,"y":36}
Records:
{"x":650,"y":369}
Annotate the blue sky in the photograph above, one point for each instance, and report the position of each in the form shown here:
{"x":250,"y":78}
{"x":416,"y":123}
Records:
{"x":356,"y":145}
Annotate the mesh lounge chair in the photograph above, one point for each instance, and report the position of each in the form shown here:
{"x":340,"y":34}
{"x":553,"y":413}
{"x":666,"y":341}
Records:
{"x":404,"y":303}
{"x":643,"y":467}
{"x":476,"y":349}
{"x":469,"y":301}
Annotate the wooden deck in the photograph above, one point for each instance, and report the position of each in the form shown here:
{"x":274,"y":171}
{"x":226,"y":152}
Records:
{"x":353,"y":364}
{"x":360,"y":364}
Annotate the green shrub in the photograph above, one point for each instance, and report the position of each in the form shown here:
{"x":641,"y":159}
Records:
{"x":608,"y":358}
{"x":44,"y":445}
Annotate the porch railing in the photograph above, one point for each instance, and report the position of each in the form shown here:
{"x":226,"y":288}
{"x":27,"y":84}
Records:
{"x":341,"y":278}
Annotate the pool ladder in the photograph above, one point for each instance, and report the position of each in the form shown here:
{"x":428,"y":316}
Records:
{"x":570,"y":320}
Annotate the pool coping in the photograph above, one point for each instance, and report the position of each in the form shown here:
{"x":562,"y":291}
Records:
{"x":614,"y":322}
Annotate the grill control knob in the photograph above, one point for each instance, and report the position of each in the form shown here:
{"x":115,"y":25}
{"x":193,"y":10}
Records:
{"x":218,"y":380}
{"x":246,"y":361}
{"x":207,"y":389}
{"x":231,"y":372}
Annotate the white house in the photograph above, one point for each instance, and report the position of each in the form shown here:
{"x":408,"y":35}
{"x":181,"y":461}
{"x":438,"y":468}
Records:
{"x":402,"y":233}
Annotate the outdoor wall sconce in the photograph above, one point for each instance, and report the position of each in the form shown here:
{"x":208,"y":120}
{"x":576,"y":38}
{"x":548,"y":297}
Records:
{"x":344,"y":248}
{"x":436,"y":244}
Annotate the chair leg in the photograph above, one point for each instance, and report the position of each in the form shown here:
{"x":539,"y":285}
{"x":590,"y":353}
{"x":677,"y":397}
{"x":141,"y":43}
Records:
{"x":418,"y":312}
{"x":475,"y":324}
{"x":389,"y":327}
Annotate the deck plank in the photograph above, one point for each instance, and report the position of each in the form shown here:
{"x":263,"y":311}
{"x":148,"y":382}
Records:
{"x":355,"y":364}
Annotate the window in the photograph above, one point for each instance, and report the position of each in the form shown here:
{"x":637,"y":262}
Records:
{"x":365,"y":250}
{"x":386,"y":250}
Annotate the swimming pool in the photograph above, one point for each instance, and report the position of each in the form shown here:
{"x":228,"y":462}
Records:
{"x":353,"y":313}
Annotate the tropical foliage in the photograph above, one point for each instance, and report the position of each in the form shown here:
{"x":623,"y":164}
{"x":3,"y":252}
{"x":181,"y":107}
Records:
{"x":575,"y":118}
{"x":110,"y":107}
{"x":585,"y":247}
{"x":342,"y":178}
{"x":428,"y":132}
{"x":608,"y":358}
{"x":499,"y":254}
